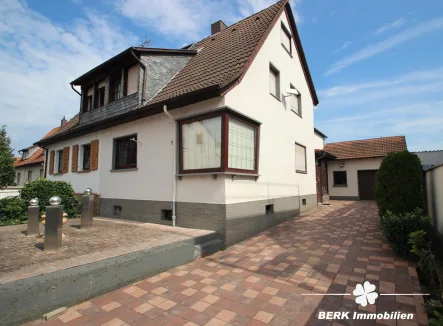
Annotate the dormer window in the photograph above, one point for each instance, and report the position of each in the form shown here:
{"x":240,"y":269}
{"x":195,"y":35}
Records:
{"x":25,"y":155}
{"x":99,"y":97}
{"x":116,"y":86}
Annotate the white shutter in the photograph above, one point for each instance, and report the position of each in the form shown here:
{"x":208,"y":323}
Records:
{"x":300,"y":158}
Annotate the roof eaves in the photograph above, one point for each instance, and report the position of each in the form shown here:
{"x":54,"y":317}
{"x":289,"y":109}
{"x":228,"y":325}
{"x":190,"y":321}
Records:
{"x":320,"y":133}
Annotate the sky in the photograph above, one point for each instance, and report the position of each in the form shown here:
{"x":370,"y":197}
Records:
{"x":377,"y":65}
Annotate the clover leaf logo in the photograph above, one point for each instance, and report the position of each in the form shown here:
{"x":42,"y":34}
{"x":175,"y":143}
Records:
{"x":365,"y":294}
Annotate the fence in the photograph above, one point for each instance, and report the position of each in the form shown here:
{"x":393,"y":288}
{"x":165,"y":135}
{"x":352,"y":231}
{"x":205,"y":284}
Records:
{"x":9,"y":193}
{"x":434,"y":195}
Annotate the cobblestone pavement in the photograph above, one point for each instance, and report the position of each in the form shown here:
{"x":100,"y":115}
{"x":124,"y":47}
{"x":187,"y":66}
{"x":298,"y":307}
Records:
{"x":261,"y":280}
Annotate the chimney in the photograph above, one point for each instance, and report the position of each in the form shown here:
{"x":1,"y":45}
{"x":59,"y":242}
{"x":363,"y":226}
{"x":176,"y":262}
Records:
{"x":217,"y":27}
{"x":63,"y":122}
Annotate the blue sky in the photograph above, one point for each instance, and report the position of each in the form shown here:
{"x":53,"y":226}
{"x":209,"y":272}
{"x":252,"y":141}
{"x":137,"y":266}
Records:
{"x":377,"y":65}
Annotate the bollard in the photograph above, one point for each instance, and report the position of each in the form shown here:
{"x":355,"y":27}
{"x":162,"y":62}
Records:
{"x":87,"y":210}
{"x":53,"y":224}
{"x":33,"y":215}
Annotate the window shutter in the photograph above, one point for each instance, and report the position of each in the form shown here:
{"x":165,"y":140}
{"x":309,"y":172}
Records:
{"x":51,"y":162}
{"x":94,"y":155}
{"x":125,"y":82}
{"x":74,"y":158}
{"x":65,"y":167}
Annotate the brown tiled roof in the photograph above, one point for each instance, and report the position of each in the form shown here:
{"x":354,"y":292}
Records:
{"x":374,"y":147}
{"x":38,"y":156}
{"x":222,"y":57}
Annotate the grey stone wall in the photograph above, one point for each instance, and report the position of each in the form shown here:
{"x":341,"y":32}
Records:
{"x":244,"y":220}
{"x":160,"y":69}
{"x":233,"y":222}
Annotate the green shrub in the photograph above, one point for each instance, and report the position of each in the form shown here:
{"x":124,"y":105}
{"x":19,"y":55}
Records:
{"x":43,"y":189}
{"x":396,"y":228}
{"x":12,"y":211}
{"x":399,"y":183}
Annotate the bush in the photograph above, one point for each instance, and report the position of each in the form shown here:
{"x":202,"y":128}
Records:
{"x":399,"y":183}
{"x":397,"y":227}
{"x":43,"y":189}
{"x":12,"y":211}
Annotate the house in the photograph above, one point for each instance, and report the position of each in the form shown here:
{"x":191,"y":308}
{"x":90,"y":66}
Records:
{"x":30,"y":165}
{"x":351,"y":165}
{"x":430,"y":158}
{"x":217,"y":135}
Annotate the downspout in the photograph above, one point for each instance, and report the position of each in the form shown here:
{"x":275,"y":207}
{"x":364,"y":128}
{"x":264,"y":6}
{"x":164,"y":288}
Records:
{"x":72,"y":86}
{"x":174,"y":164}
{"x":144,"y":76}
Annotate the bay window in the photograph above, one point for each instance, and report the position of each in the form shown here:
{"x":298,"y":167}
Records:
{"x":222,"y":141}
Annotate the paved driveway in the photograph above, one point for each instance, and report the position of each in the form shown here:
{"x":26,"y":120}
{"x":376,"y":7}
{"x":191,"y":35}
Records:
{"x":263,"y":280}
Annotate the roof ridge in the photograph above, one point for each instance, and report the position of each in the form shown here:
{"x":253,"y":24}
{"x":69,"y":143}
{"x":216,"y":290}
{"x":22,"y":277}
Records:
{"x":236,"y":23}
{"x":356,"y":140}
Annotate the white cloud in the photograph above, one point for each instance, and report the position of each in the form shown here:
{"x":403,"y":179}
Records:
{"x":375,"y":49}
{"x":343,"y":47}
{"x":38,"y":59}
{"x":394,"y":25}
{"x":189,"y":21}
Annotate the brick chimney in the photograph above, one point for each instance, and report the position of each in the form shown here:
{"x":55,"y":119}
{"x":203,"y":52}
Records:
{"x":217,"y":27}
{"x":63,"y":122}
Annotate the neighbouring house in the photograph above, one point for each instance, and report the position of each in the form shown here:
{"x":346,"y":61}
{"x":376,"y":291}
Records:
{"x":351,"y":166}
{"x":30,"y":165}
{"x":430,"y":158}
{"x":217,"y":135}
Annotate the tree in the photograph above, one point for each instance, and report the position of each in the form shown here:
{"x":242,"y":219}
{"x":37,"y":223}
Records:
{"x":399,"y":184}
{"x":7,"y":171}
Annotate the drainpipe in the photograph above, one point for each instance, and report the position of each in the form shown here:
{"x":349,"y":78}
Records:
{"x":72,"y":86}
{"x":144,"y":77}
{"x":174,"y":180}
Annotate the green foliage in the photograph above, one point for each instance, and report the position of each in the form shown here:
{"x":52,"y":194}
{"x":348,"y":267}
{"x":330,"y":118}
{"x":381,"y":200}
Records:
{"x":7,"y":171}
{"x":12,"y":211}
{"x":396,"y":228}
{"x":417,"y":240}
{"x":43,"y":189}
{"x":399,"y":183}
{"x":436,"y":318}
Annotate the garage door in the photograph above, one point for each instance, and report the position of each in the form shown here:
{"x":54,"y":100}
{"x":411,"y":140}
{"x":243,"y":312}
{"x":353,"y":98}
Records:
{"x":366,"y":184}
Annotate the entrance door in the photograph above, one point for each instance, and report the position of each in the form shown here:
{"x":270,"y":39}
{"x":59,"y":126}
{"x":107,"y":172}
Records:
{"x":366,"y":184}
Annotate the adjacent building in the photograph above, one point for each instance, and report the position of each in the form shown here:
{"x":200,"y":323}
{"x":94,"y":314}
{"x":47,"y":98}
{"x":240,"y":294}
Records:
{"x":217,"y":135}
{"x":351,"y":166}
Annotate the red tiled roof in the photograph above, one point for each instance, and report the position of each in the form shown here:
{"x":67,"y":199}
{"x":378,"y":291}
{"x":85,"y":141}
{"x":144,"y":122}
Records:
{"x":37,"y":156}
{"x":366,"y":148}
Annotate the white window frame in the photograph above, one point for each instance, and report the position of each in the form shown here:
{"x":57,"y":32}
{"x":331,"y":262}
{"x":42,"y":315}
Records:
{"x":276,"y":72}
{"x":297,"y":98}
{"x":285,"y":32}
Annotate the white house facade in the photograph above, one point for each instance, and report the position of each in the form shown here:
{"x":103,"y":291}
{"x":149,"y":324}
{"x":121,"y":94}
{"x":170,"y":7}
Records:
{"x":189,"y":138}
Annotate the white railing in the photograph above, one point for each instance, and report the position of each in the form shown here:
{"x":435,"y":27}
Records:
{"x":9,"y":193}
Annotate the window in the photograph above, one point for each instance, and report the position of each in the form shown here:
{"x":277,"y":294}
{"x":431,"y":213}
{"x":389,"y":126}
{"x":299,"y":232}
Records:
{"x":300,"y":158}
{"x":295,"y":101}
{"x":340,"y":178}
{"x":269,"y":209}
{"x":60,"y":162}
{"x":29,"y":176}
{"x":286,"y":38}
{"x":116,"y":87}
{"x":86,"y":161}
{"x":274,"y":82}
{"x":19,"y":177}
{"x":99,"y":97}
{"x":125,"y":152}
{"x":241,"y":145}
{"x":117,"y":210}
{"x":222,"y":141}
{"x":25,"y":155}
{"x":167,"y":214}
{"x":41,"y":172}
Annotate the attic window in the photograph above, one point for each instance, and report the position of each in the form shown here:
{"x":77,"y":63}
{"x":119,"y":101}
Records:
{"x":286,"y":38}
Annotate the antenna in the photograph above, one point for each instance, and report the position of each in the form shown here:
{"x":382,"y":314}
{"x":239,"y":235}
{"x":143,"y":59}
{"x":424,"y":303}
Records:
{"x":146,"y":43}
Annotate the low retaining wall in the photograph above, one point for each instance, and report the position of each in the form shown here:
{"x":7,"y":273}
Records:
{"x":28,"y":299}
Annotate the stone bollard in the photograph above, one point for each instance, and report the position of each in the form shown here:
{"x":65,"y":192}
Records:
{"x":33,"y":215}
{"x":87,"y":210}
{"x":53,"y":224}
